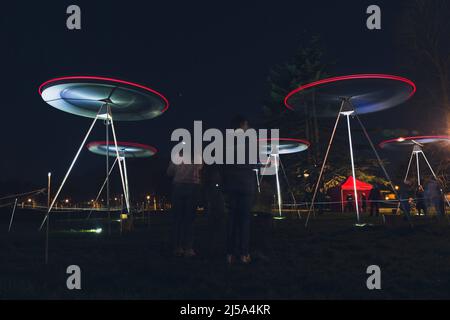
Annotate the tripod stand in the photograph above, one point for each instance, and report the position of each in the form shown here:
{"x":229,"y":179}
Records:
{"x":346,"y":110}
{"x":104,"y":113}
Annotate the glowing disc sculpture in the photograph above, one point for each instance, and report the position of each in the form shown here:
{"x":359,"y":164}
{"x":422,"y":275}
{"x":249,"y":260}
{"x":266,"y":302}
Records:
{"x":416,"y":144}
{"x":283,"y":147}
{"x":125,"y":150}
{"x":86,"y":95}
{"x":347,"y":96}
{"x":367,"y":93}
{"x":106,"y":99}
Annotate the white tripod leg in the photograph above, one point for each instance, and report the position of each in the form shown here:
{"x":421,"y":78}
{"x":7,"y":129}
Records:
{"x":257,"y":180}
{"x":70,"y":169}
{"x":120,"y":165}
{"x":103,"y":186}
{"x":12,"y":215}
{"x":264,"y":170}
{"x":126,"y":181}
{"x":290,"y":189}
{"x":380,"y":162}
{"x":409,"y":167}
{"x":323,"y":164}
{"x":418,"y":169}
{"x":276,"y":157}
{"x":353,"y":166}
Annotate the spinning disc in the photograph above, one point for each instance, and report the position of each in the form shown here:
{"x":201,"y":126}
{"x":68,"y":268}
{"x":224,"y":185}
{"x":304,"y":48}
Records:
{"x":126,"y":149}
{"x":285,"y":146}
{"x":86,"y":95}
{"x":409,"y":142}
{"x":367,"y":93}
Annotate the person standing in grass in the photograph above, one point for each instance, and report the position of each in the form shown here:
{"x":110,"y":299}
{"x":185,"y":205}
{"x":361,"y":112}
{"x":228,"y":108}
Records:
{"x":185,"y":196}
{"x":406,"y":198}
{"x":420,"y":201}
{"x":214,"y":204}
{"x":364,"y":202}
{"x":374,"y":200}
{"x":349,"y":206}
{"x":240,"y":190}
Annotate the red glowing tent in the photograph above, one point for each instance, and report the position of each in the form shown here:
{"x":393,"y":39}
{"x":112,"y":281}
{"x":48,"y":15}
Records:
{"x":361,"y":188}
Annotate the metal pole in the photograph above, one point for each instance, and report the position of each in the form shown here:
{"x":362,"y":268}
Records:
{"x":380,"y":162}
{"x":257,"y":180}
{"x":353,"y":166}
{"x":324,"y":163}
{"x":418,"y":169}
{"x":409,"y":166}
{"x":120,"y":165}
{"x":276,"y":157}
{"x":68,"y":172}
{"x":103,"y":186}
{"x":290,"y":188}
{"x":108,"y":206}
{"x":126,"y":180}
{"x":49,"y":176}
{"x":263,"y":172}
{"x":12,"y":215}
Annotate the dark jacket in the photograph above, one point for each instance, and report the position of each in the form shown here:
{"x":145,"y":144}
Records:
{"x":240,"y":178}
{"x":375,"y":194}
{"x":185,"y":173}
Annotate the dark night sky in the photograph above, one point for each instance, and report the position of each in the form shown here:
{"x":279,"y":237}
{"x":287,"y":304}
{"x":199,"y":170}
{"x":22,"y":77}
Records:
{"x":209,"y":58}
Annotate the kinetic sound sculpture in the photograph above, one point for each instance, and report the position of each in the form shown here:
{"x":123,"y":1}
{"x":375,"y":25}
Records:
{"x":106,"y":99}
{"x":284,"y":146}
{"x":416,"y":144}
{"x":125,"y":150}
{"x":350,"y":96}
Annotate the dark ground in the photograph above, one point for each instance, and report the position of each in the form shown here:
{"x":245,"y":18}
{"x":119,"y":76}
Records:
{"x":326,"y":261}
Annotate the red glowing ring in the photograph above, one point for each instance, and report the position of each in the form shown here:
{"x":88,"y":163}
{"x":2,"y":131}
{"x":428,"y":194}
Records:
{"x":132,"y":84}
{"x":95,"y":144}
{"x":418,"y":138}
{"x":350,"y":77}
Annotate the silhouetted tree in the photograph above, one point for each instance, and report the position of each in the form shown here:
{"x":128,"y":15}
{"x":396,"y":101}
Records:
{"x":424,"y":34}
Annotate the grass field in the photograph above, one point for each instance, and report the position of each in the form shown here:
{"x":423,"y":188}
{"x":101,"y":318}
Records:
{"x":326,"y":261}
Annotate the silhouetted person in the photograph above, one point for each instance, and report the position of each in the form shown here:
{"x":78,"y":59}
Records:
{"x":240,"y":189}
{"x":214,"y":202}
{"x":375,"y":198}
{"x":349,"y":205}
{"x":406,"y":196}
{"x":364,"y":202}
{"x":436,"y":197}
{"x":185,"y":195}
{"x":420,"y":201}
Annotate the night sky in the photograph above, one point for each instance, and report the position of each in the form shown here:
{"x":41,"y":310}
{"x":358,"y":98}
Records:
{"x":209,"y":58}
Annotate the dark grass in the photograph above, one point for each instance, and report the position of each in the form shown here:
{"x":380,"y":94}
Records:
{"x":326,"y":261}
